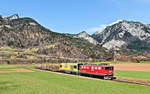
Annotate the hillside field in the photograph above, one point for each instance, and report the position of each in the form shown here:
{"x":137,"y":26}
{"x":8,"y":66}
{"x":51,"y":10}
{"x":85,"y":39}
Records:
{"x":39,"y":82}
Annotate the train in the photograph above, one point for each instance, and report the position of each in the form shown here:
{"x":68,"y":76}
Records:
{"x":104,"y":71}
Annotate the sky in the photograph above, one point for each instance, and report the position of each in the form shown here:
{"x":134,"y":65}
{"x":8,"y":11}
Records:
{"x":74,"y":16}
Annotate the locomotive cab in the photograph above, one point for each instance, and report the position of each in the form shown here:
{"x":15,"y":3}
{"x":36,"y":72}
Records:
{"x":109,"y":70}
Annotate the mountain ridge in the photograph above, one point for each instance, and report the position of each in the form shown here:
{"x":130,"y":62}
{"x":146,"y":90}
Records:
{"x":125,"y":37}
{"x":26,"y":33}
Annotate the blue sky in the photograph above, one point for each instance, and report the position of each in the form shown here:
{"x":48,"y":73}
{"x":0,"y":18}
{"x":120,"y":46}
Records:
{"x":74,"y":16}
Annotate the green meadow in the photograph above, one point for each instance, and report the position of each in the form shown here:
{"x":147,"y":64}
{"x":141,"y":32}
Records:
{"x":39,"y":82}
{"x":133,"y":74}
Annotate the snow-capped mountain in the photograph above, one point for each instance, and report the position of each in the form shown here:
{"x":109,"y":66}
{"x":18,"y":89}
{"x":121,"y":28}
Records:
{"x":124,"y":35}
{"x":84,"y":35}
{"x":9,"y":18}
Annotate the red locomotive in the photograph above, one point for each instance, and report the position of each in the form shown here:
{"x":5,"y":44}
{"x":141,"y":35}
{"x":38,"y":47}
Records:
{"x":103,"y":70}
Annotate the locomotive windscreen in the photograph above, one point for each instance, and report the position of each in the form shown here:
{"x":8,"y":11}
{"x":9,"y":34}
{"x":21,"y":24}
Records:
{"x":108,"y":68}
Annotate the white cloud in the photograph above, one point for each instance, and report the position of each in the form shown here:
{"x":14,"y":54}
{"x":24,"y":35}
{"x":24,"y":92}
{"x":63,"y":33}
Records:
{"x":119,"y":2}
{"x":144,"y":1}
{"x":96,"y":28}
{"x":7,"y":12}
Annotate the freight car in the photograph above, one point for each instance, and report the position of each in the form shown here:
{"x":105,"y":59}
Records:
{"x":69,"y":68}
{"x":49,"y":67}
{"x":102,"y":70}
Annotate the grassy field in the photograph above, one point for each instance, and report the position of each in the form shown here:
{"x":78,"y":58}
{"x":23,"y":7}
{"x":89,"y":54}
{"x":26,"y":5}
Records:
{"x":39,"y":82}
{"x":133,"y":74}
{"x":5,"y":66}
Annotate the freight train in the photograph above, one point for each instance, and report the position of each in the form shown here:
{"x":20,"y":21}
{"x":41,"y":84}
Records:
{"x":104,"y":71}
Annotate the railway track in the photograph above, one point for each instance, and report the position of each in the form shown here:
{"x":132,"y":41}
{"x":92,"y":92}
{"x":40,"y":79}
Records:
{"x":96,"y":78}
{"x":131,"y":82}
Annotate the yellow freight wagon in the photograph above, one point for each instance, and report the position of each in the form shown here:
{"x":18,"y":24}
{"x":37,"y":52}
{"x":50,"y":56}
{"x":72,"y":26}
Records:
{"x":69,"y":67}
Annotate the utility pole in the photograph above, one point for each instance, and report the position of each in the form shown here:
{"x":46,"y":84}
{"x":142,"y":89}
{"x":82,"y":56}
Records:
{"x":114,"y":53}
{"x":115,"y":58}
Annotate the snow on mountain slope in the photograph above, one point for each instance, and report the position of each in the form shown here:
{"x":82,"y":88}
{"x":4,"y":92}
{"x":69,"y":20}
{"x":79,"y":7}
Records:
{"x":84,"y":35}
{"x":122,"y":34}
{"x":15,"y":16}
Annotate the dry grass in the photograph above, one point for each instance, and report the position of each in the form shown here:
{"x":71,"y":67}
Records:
{"x":132,"y":67}
{"x":14,"y":70}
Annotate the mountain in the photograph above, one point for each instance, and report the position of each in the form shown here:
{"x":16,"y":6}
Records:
{"x":128,"y":37}
{"x":84,"y":35}
{"x":26,"y":33}
{"x":9,"y":18}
